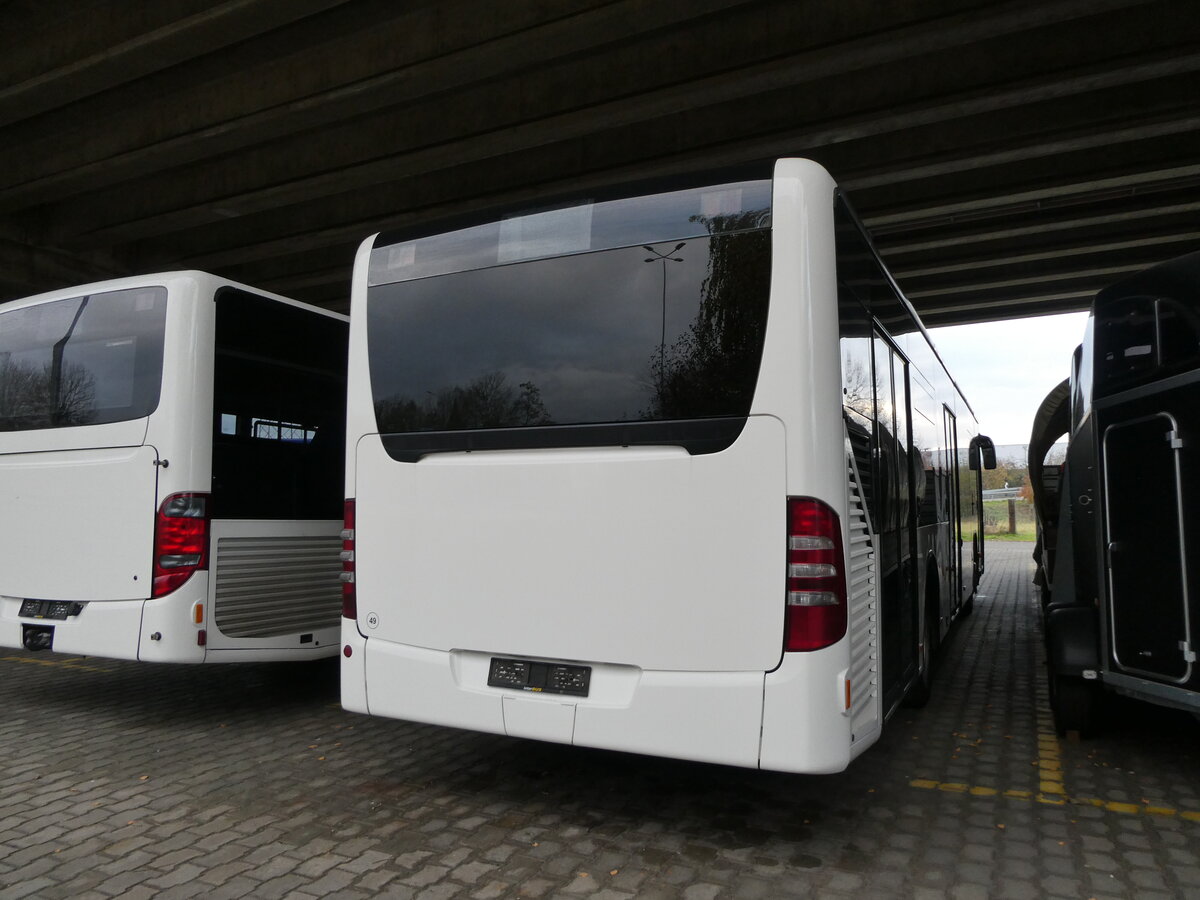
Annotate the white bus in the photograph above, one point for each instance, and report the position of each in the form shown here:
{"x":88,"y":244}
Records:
{"x":674,"y":470}
{"x":170,"y":471}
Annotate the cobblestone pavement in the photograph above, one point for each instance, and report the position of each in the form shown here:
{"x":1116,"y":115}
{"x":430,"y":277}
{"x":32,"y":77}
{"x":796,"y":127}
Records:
{"x":136,"y":780}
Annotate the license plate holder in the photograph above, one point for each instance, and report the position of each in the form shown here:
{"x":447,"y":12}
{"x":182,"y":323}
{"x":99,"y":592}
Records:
{"x":49,"y":609}
{"x":539,"y":677}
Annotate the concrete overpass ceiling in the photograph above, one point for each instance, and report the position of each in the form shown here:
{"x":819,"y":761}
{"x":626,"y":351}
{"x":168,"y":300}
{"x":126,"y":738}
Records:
{"x":1010,"y":157}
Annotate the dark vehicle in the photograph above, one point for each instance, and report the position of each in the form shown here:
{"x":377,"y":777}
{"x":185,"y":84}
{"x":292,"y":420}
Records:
{"x":1119,"y":521}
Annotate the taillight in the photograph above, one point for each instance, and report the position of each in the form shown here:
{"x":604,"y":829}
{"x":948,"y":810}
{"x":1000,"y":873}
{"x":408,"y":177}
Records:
{"x":816,"y":582}
{"x":349,"y":600}
{"x":180,"y":541}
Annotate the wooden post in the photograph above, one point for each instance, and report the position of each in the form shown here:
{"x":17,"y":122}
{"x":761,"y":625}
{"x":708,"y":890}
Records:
{"x":1012,"y":516}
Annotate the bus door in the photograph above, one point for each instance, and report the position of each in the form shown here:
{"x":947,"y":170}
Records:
{"x":893,"y":450}
{"x":1146,"y":547}
{"x":957,"y":564}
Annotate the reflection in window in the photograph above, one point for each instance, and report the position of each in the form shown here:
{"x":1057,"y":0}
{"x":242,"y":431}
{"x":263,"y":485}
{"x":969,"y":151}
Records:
{"x":83,"y":361}
{"x":590,"y":338}
{"x":578,"y":228}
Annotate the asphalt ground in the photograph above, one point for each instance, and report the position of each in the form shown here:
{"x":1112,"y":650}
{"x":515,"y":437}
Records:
{"x":138,"y":780}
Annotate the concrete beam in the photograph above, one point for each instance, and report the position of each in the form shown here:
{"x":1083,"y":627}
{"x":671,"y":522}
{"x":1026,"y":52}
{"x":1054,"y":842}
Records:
{"x":119,"y":59}
{"x":26,"y":269}
{"x":648,"y":106}
{"x":313,"y":75}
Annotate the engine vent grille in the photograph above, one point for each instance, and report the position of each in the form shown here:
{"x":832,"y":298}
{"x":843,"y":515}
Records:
{"x":863,"y":612}
{"x":276,"y":586}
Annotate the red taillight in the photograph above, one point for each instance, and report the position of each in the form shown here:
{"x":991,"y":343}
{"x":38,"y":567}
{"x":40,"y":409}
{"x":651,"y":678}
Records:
{"x":349,"y":600}
{"x":180,"y":541}
{"x":816,"y":580}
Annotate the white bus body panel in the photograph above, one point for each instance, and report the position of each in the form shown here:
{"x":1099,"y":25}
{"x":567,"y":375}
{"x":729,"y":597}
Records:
{"x":77,"y":524}
{"x":169,"y":631}
{"x":604,"y":555}
{"x":704,"y":716}
{"x":109,"y":628}
{"x":806,"y":725}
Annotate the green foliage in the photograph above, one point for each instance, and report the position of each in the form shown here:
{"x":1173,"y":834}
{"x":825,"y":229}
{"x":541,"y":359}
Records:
{"x":996,"y":520}
{"x":1006,"y":474}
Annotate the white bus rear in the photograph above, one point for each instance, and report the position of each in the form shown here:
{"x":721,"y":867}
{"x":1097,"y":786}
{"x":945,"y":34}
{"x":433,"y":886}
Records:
{"x":601,"y":482}
{"x":170,"y":471}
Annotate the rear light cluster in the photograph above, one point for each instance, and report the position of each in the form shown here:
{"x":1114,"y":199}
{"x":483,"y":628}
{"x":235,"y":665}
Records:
{"x":816,"y":581}
{"x":349,"y":600}
{"x":180,"y":541}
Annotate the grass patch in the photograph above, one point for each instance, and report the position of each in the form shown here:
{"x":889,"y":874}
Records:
{"x":996,"y":521}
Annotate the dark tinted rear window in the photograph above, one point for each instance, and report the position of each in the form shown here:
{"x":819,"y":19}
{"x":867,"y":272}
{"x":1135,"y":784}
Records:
{"x":668,"y":329}
{"x":84,"y":361}
{"x":573,"y":340}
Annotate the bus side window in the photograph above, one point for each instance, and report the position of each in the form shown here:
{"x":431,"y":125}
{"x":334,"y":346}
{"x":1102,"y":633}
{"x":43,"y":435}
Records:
{"x":858,"y":393}
{"x":1143,"y":338}
{"x":928,"y":466}
{"x":1127,"y":348}
{"x":1179,"y":330}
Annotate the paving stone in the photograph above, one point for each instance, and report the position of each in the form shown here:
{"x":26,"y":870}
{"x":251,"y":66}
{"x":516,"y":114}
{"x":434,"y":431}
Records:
{"x":236,"y":804}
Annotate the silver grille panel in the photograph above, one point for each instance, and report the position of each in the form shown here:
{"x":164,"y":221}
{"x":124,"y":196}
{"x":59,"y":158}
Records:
{"x":277,"y":586}
{"x":863,"y":614}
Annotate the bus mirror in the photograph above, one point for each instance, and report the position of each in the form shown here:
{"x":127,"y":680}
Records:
{"x":982,"y":453}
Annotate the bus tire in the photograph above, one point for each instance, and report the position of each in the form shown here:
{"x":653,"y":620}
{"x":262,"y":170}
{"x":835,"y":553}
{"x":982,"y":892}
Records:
{"x":1075,"y":703}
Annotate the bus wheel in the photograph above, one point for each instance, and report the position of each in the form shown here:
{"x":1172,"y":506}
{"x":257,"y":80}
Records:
{"x":1075,"y":703}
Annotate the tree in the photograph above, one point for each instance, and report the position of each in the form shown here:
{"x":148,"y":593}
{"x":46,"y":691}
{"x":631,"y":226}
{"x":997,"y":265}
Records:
{"x":1006,"y":474}
{"x":27,"y":401}
{"x":487,"y":402}
{"x":705,"y":371}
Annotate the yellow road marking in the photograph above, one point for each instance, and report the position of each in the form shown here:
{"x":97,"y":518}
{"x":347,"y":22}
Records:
{"x":1051,"y":790}
{"x":1056,"y":799}
{"x":1049,"y":764}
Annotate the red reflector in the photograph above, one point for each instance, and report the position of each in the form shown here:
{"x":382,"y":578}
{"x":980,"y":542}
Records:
{"x":815,"y":614}
{"x":180,"y":541}
{"x":347,"y":651}
{"x":201,"y":638}
{"x":349,"y":598}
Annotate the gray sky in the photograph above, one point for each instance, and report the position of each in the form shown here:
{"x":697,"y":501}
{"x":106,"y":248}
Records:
{"x":1007,"y":368}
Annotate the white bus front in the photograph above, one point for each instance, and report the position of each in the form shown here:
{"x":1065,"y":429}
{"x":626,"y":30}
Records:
{"x":570,"y":482}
